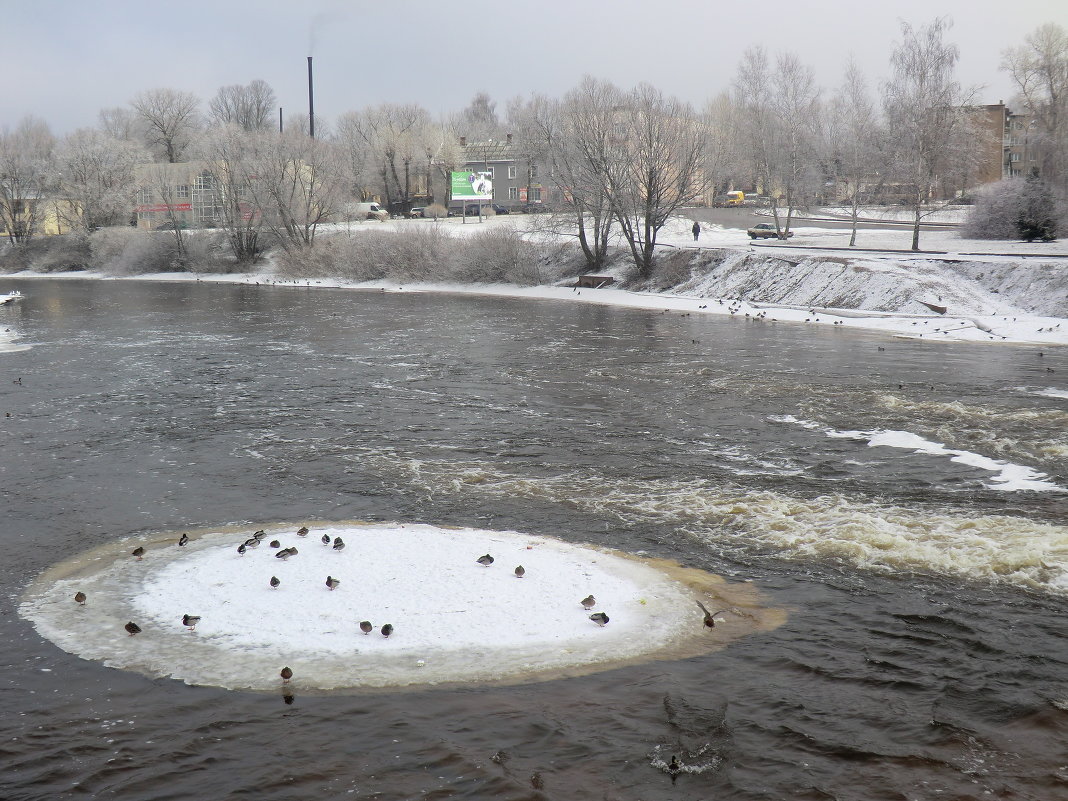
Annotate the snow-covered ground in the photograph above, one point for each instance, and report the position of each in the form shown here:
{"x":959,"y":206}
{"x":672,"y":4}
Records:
{"x":454,"y":619}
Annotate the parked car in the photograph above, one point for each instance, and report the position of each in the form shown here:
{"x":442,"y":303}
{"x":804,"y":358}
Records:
{"x":169,"y":225}
{"x":499,"y":209}
{"x":415,"y":212}
{"x":766,"y":231}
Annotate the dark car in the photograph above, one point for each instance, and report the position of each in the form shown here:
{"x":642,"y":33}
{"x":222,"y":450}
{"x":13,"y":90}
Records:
{"x":415,"y":212}
{"x":499,"y":209}
{"x":766,"y":231}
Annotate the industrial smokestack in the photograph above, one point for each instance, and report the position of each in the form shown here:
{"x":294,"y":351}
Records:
{"x":311,"y":101}
{"x":279,"y":119}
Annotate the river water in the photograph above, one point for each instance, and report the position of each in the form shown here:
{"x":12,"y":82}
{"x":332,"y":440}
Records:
{"x":926,"y":651}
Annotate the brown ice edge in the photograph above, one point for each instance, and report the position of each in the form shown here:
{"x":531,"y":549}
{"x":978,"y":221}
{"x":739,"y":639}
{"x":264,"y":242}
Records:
{"x":747,"y":612}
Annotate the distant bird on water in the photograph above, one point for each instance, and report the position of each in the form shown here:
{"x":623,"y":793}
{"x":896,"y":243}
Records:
{"x":486,"y":560}
{"x":302,"y":531}
{"x":132,"y":628}
{"x":710,"y":617}
{"x":600,"y":618}
{"x":387,"y":630}
{"x":332,"y":582}
{"x":183,"y":540}
{"x":190,"y":621}
{"x":326,"y":539}
{"x":80,"y":598}
{"x":520,"y":572}
{"x":366,"y":627}
{"x":286,"y":675}
{"x":588,"y":602}
{"x":339,"y":544}
{"x":275,"y":581}
{"x":138,"y":552}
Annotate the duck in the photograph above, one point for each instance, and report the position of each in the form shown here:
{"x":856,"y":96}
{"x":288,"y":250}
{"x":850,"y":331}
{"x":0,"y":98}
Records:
{"x":139,"y":552}
{"x":387,"y":630}
{"x":485,"y":560}
{"x":339,"y":544}
{"x":366,"y":627}
{"x":286,"y":674}
{"x":520,"y":571}
{"x":588,"y":602}
{"x":183,"y":540}
{"x":302,"y":531}
{"x":132,"y":628}
{"x":332,"y":583}
{"x":710,"y":617}
{"x":600,"y":618}
{"x":190,"y":621}
{"x":80,"y":597}
{"x":275,"y":581}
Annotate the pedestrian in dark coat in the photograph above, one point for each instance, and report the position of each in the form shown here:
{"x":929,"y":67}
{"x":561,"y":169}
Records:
{"x":696,"y":230}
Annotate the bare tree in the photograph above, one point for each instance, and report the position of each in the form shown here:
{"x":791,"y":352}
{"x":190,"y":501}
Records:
{"x":925,"y":113}
{"x":123,"y":124}
{"x":388,"y":142}
{"x":1039,"y":68}
{"x":227,"y":152}
{"x":251,"y":107}
{"x":25,"y":160}
{"x":96,"y":178}
{"x":653,"y":167}
{"x":298,"y":184}
{"x":795,"y":103}
{"x":170,"y":119}
{"x":851,"y":142}
{"x":478,"y":122}
{"x":571,"y":137}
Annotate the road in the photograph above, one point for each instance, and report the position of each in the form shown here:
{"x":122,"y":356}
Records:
{"x":747,"y":217}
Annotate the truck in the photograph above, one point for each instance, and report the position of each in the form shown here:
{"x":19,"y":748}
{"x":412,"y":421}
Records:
{"x":736,"y":197}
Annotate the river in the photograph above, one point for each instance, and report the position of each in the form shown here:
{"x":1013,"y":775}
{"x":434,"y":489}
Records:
{"x":925,"y":655}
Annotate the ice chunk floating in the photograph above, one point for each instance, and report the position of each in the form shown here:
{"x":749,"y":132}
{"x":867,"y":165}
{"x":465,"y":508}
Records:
{"x":279,"y":598}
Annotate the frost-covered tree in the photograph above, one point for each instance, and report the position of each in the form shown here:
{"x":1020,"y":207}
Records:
{"x":251,"y":107}
{"x":298,"y":186}
{"x":386,"y":144}
{"x":227,"y":152}
{"x":170,"y":119}
{"x":1039,"y":68}
{"x":925,"y":113}
{"x":95,"y":177}
{"x":1037,"y":218}
{"x":25,"y":170}
{"x":852,"y":143}
{"x":479,"y":122}
{"x":1014,"y":208}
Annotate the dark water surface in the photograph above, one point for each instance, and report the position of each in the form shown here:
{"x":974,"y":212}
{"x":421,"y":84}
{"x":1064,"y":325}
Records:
{"x":925,"y":656}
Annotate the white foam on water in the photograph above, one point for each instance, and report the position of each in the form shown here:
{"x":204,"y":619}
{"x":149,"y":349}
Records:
{"x":1008,"y":476}
{"x":868,"y":535}
{"x":454,"y":619}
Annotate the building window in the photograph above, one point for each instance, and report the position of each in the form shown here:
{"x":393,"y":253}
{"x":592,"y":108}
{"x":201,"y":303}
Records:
{"x":182,"y":191}
{"x":511,"y":172}
{"x":144,"y":196}
{"x":533,"y":171}
{"x":535,"y":194}
{"x":513,"y":191}
{"x":1014,"y":157}
{"x":490,"y":171}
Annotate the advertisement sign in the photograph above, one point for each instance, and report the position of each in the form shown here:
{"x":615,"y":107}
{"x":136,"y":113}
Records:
{"x":471,"y":186}
{"x":154,"y":207}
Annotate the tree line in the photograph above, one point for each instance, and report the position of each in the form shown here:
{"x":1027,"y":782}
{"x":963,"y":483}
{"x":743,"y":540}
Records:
{"x":622,"y":161}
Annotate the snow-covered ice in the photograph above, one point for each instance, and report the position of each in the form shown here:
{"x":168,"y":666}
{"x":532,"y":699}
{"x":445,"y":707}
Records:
{"x":454,"y":620}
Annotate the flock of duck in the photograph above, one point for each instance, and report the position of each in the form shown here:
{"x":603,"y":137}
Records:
{"x":337,"y":544}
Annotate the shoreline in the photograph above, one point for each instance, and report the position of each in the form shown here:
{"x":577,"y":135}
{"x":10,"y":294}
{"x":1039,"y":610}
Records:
{"x":965,"y":328}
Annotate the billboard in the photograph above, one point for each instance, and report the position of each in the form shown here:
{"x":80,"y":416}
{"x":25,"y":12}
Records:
{"x":471,"y":186}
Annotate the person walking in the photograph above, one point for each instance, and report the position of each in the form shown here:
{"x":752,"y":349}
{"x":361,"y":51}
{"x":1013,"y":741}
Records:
{"x":696,"y":230}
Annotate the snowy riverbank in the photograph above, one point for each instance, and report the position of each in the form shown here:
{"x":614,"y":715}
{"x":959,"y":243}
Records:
{"x":1019,"y":299}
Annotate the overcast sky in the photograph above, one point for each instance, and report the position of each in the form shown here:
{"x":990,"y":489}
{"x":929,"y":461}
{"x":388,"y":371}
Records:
{"x":64,"y":60}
